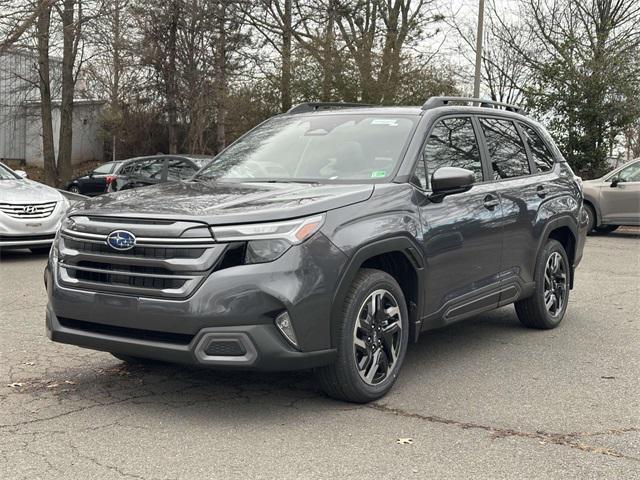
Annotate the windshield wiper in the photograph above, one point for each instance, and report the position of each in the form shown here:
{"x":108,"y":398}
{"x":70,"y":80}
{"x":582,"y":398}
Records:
{"x":312,"y":182}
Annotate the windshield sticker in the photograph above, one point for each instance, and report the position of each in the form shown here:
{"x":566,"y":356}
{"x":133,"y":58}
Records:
{"x":379,"y":174}
{"x":390,"y":122}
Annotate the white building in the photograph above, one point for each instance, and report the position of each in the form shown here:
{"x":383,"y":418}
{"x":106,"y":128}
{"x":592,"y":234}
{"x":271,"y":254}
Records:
{"x":20,"y":121}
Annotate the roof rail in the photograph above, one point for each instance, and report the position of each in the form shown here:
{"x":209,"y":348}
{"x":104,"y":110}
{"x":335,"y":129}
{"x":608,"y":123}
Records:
{"x":315,"y":106}
{"x":434,"y":102}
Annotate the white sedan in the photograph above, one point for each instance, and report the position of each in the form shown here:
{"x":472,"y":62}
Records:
{"x":30,"y":212}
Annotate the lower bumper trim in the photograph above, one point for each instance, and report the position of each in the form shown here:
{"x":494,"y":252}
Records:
{"x":263,"y":346}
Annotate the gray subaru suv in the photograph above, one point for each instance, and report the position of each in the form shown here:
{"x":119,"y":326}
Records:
{"x":326,"y":238}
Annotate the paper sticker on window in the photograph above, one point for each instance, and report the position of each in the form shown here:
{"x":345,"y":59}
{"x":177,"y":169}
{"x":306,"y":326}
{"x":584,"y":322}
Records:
{"x":390,"y":122}
{"x":379,"y":174}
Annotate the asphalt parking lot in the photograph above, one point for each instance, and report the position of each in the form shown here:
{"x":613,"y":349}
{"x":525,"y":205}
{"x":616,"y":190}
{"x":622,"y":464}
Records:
{"x":486,"y":398}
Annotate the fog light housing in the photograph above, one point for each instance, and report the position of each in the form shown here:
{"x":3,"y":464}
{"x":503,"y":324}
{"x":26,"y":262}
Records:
{"x":283,"y":322}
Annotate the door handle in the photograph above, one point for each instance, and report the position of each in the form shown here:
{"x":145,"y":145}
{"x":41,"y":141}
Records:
{"x":491,"y":202}
{"x":541,"y":191}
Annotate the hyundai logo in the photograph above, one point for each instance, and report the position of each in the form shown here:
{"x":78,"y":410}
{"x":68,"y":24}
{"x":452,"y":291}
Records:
{"x":29,"y":209}
{"x":121,"y":240}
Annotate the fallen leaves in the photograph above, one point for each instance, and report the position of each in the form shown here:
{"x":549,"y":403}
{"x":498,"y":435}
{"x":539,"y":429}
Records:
{"x":404,"y":441}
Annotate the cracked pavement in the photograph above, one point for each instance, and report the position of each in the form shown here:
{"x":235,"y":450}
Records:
{"x":485,"y":398}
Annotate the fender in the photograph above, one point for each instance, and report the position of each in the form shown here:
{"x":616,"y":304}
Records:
{"x":399,"y":243}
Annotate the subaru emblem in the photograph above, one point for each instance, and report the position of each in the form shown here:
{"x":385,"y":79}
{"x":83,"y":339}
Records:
{"x":121,"y":240}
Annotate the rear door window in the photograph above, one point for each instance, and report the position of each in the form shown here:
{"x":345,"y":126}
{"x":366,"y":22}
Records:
{"x":542,"y":156}
{"x":507,"y":154}
{"x":453,"y":143}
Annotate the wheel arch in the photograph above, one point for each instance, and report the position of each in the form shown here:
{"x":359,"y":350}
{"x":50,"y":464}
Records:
{"x":565,"y":231}
{"x":398,"y":256}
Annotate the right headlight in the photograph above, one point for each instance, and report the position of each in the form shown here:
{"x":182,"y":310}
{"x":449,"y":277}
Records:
{"x":268,"y":241}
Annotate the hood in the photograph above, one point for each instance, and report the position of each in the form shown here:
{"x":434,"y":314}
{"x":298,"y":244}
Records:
{"x":225,"y":203}
{"x":27,"y":191}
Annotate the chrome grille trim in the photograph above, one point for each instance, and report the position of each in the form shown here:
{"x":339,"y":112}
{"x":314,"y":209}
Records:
{"x":144,"y":241}
{"x":28,"y":210}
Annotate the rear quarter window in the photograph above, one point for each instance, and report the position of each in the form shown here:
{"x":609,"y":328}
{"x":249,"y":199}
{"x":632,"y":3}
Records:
{"x":540,"y":151}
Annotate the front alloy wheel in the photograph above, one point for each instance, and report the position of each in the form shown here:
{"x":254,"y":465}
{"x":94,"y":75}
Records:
{"x":371,"y":335}
{"x":377,"y":337}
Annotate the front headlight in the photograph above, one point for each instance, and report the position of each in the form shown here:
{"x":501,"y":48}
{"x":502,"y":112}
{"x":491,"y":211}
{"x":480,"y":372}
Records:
{"x":268,"y":241}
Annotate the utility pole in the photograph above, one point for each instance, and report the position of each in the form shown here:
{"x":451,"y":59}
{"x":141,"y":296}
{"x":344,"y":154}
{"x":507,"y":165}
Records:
{"x":476,"y":84}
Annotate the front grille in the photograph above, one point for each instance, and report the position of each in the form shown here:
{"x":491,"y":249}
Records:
{"x":126,"y":332}
{"x":26,"y":238}
{"x":162,"y":264}
{"x":146,"y":252}
{"x":28,"y":210}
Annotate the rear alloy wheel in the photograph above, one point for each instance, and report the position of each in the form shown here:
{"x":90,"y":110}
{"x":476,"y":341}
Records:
{"x":546,"y":307}
{"x":74,"y":189}
{"x":371,"y":339}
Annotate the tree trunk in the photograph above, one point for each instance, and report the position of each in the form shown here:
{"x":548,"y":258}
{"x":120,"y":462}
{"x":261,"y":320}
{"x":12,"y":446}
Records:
{"x":172,"y":87}
{"x":285,"y":79}
{"x":328,"y":57}
{"x":221,"y":77}
{"x":48,"y":151}
{"x":68,"y":87}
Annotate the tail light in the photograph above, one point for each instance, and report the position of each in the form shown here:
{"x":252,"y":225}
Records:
{"x":109,"y":179}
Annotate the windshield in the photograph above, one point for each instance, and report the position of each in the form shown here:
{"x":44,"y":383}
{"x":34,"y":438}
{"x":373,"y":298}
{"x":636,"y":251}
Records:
{"x":316,"y":148}
{"x":6,"y":174}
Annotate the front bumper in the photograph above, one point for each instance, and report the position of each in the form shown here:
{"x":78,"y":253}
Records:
{"x":25,"y":232}
{"x":262,"y":346}
{"x":237,"y":304}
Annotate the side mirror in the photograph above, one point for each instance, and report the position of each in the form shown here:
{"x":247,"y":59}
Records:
{"x":21,"y":173}
{"x":90,"y":174}
{"x":450,"y":180}
{"x":614,"y":182}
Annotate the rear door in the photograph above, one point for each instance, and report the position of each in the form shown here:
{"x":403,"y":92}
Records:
{"x":620,"y":204}
{"x":462,"y":237}
{"x":96,"y":182}
{"x":523,"y":187}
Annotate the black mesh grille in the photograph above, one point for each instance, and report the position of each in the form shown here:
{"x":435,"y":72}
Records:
{"x":225,"y":348}
{"x":126,"y":280}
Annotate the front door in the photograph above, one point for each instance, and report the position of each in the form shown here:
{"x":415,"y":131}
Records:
{"x":462,"y":234}
{"x":620,"y":202}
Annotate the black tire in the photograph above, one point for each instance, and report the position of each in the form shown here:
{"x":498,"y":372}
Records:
{"x":533,"y":311}
{"x":591,"y":218}
{"x":342,"y":380}
{"x":74,"y":189}
{"x":130,"y":359}
{"x":604,"y":229}
{"x":40,"y":250}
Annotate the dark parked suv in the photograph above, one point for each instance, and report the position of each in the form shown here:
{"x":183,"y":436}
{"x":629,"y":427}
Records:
{"x":329,"y":237}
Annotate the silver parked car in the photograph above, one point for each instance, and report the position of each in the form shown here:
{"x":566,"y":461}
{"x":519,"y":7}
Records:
{"x":30,"y":212}
{"x":614,"y":199}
